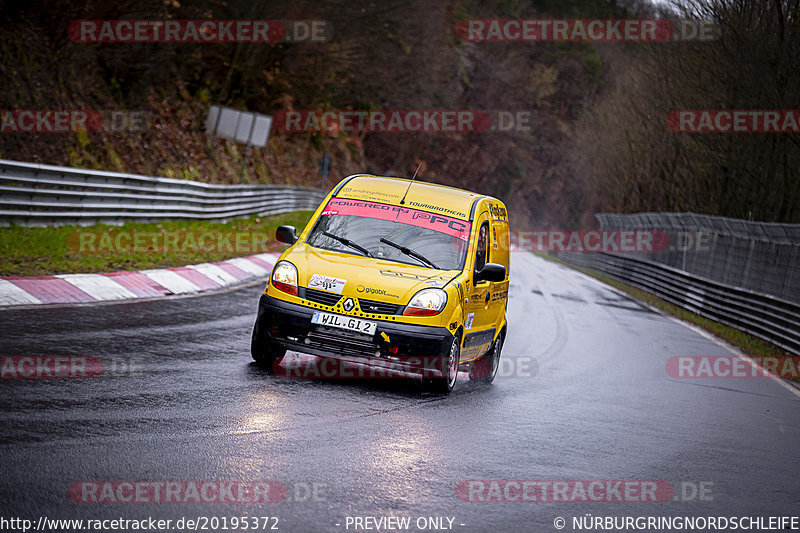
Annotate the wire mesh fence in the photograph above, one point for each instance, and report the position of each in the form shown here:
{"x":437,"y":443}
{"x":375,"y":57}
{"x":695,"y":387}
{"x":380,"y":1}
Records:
{"x":758,"y":256}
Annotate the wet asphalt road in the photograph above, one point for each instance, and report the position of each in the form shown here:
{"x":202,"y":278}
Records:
{"x":583,"y":395}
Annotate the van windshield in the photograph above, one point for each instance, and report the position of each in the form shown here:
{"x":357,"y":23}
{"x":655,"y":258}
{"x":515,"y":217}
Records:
{"x":440,"y":239}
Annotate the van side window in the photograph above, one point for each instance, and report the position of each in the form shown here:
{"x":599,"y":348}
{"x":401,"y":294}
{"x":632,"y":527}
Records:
{"x":481,"y":256}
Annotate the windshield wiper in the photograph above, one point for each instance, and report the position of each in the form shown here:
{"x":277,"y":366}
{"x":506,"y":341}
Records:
{"x":410,"y":252}
{"x":348,"y":242}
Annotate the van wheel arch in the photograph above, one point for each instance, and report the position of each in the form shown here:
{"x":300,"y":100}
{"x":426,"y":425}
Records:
{"x":485,"y":368}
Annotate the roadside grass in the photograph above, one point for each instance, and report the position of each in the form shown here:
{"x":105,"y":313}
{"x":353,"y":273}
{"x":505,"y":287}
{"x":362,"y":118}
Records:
{"x":28,"y":251}
{"x":747,"y":343}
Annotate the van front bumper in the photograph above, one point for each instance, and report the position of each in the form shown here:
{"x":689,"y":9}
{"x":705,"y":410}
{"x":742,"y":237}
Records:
{"x":409,"y":348}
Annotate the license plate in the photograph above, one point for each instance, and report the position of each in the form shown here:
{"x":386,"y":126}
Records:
{"x":344,"y":322}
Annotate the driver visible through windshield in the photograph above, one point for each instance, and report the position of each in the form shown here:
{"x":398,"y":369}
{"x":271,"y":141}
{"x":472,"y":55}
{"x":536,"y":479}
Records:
{"x":392,"y":233}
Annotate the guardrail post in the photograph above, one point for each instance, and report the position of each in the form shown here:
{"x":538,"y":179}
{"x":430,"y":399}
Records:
{"x":787,"y":283}
{"x":728,"y":253}
{"x":710,"y":263}
{"x":748,"y":262}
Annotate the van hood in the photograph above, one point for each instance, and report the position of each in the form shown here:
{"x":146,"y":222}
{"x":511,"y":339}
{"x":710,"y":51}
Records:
{"x":363,"y":277}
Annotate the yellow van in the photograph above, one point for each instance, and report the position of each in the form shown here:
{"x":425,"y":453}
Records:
{"x":392,"y":273}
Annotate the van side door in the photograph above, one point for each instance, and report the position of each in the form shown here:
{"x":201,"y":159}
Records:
{"x":478,"y":328}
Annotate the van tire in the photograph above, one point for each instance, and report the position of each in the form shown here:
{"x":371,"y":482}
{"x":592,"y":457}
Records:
{"x":265,"y":354}
{"x":485,"y":369}
{"x":447,"y":382}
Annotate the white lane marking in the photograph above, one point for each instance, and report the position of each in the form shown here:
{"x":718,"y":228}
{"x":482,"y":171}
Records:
{"x":719,"y":342}
{"x":248,"y":266}
{"x":744,"y":357}
{"x":215,"y":273}
{"x":101,"y":288}
{"x":10,"y":294}
{"x":172,"y":281}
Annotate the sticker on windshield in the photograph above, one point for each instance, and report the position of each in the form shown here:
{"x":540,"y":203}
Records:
{"x":414,"y":217}
{"x":326,"y":283}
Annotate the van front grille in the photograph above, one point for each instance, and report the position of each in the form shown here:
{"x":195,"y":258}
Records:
{"x":322,"y":297}
{"x":383,"y":308}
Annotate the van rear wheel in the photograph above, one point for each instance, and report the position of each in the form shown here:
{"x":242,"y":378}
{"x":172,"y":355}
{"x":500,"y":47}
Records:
{"x":485,"y":368}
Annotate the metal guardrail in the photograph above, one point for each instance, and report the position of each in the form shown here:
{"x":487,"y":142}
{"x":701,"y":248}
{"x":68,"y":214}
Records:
{"x":763,"y":257}
{"x":767,"y":317}
{"x":43,"y":195}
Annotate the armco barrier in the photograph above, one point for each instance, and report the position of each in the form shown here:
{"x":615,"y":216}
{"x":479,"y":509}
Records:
{"x":43,"y":195}
{"x":763,"y":257}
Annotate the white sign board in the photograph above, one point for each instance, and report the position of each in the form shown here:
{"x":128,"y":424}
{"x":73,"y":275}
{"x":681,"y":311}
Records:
{"x":241,"y":126}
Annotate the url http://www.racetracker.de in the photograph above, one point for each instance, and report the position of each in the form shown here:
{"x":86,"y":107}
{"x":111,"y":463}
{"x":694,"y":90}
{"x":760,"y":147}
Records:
{"x":149,"y":524}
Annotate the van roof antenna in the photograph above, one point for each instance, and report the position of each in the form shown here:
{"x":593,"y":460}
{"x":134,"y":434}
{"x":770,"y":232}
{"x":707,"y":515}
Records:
{"x":403,"y":201}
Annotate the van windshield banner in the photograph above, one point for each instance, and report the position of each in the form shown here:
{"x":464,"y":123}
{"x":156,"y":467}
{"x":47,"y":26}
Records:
{"x":422,"y":219}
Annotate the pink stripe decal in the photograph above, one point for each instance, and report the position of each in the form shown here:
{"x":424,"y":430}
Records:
{"x":138,"y":284}
{"x":422,"y":219}
{"x":51,"y":290}
{"x":204,"y":282}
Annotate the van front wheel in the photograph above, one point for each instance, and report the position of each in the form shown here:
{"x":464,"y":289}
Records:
{"x":447,"y":382}
{"x":265,"y":354}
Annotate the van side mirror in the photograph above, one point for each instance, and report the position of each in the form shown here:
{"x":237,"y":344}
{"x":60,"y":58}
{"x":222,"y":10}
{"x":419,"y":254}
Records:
{"x":490,"y":272}
{"x":286,"y":234}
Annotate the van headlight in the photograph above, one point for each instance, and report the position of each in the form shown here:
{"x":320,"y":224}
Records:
{"x":427,"y":302}
{"x":284,"y":277}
